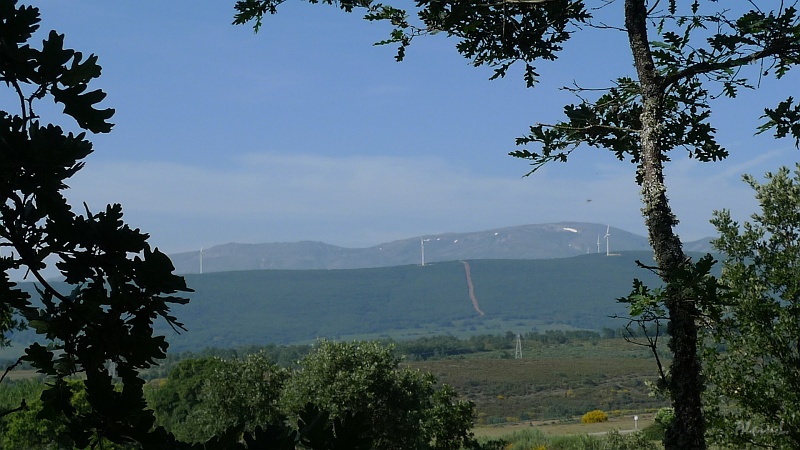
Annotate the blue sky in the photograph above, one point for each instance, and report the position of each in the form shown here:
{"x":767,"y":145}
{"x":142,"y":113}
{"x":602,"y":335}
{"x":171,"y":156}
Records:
{"x":306,"y":131}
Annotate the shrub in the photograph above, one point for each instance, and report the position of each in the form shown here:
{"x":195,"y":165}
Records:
{"x":536,"y":440}
{"x":634,"y":441}
{"x":529,"y":439}
{"x":594,"y":417}
{"x":575,"y":442}
{"x":654,"y":432}
{"x":665,"y":416}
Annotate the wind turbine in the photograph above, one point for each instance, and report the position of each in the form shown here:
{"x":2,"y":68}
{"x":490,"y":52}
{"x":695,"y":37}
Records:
{"x":422,"y":245}
{"x":598,"y":244}
{"x":608,"y":229}
{"x":201,"y":259}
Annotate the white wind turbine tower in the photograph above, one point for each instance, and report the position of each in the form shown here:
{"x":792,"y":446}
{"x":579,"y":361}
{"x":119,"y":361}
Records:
{"x":608,"y":229}
{"x":422,"y":246}
{"x":598,"y":244}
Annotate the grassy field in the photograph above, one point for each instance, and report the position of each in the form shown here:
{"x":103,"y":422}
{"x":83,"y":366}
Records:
{"x":22,"y":374}
{"x":623,"y":422}
{"x":553,"y":381}
{"x":549,"y":389}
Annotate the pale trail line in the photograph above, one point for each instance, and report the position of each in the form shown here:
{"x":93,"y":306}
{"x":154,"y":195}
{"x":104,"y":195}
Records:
{"x":471,"y":289}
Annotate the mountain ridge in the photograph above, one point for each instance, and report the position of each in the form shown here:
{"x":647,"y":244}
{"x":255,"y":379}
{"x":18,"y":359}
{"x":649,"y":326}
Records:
{"x":534,"y":241}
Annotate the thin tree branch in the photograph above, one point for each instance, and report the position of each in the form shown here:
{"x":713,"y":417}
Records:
{"x":22,"y":407}
{"x":590,"y":127}
{"x":10,"y":368}
{"x":707,"y":67}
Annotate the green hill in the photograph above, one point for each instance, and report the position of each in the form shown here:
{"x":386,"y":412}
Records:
{"x":232,"y":309}
{"x":229,"y":309}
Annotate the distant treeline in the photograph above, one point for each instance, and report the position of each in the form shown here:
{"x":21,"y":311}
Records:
{"x":420,"y":349}
{"x":440,"y":347}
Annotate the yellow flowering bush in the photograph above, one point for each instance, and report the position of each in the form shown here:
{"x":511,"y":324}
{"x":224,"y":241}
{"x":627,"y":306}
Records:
{"x":594,"y":417}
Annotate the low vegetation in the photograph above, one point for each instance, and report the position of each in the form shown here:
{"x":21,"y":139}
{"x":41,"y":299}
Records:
{"x":561,"y":375}
{"x":536,"y":440}
{"x":594,"y":416}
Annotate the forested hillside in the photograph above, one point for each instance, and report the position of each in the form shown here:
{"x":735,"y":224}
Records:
{"x":283,"y":306}
{"x":231,"y":309}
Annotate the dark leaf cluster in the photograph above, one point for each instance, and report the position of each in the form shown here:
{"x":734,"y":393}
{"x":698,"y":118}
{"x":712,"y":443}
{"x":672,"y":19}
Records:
{"x":101,"y":328}
{"x":612,"y":122}
{"x":494,"y":33}
{"x":500,"y":33}
{"x":785,"y":119}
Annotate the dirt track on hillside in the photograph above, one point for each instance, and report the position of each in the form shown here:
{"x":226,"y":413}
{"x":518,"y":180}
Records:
{"x":471,"y":289}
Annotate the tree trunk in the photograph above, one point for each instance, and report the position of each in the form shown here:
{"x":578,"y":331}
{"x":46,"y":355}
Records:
{"x":685,"y":383}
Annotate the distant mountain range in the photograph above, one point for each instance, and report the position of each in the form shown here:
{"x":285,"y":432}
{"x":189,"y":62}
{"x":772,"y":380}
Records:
{"x":542,"y":241}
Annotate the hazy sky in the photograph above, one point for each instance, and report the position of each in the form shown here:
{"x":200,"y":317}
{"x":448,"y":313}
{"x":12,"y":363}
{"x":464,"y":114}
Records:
{"x":306,"y":131}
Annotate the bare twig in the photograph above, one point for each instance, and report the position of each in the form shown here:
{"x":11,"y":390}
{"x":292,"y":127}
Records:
{"x":587,"y":128}
{"x":10,"y":368}
{"x":22,"y":407}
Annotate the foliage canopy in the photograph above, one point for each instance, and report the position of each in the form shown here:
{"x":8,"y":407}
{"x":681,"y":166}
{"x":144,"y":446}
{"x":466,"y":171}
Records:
{"x":752,"y":369}
{"x":357,"y":388}
{"x":119,"y":285}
